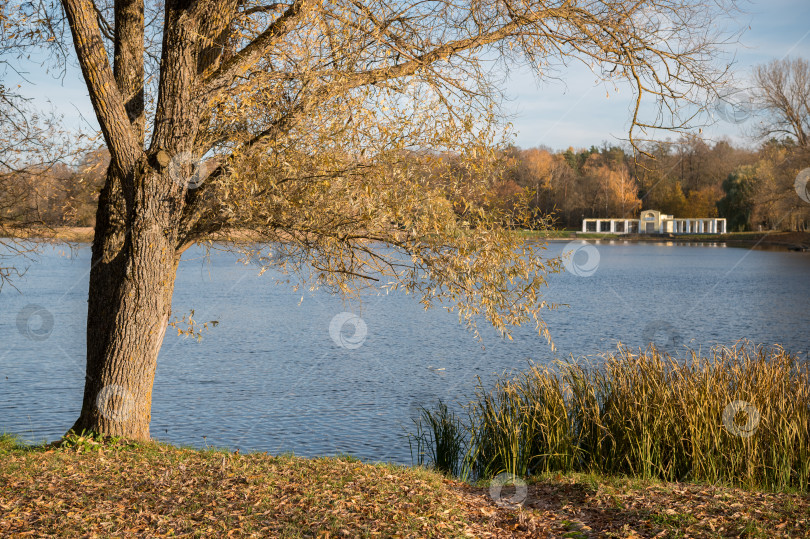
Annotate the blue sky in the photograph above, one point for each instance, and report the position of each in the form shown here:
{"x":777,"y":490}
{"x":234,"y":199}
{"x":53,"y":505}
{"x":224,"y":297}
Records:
{"x":574,"y":111}
{"x":577,"y":112}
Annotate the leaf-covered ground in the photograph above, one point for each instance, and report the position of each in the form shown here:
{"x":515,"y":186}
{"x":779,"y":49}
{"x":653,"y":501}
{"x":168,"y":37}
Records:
{"x":154,"y":490}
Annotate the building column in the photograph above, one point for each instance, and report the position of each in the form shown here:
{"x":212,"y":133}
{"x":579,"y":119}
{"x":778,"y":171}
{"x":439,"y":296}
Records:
{"x":584,"y":225}
{"x":626,"y":226}
{"x":612,"y":226}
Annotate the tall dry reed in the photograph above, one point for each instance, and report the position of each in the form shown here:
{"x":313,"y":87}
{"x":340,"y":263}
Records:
{"x":737,"y":415}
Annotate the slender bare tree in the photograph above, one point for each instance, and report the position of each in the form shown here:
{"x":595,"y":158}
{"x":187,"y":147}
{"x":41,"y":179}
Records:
{"x":309,"y":126}
{"x":782,"y":88}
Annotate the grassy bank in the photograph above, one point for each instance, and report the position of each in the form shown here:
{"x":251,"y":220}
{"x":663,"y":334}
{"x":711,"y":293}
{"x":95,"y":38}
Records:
{"x":738,"y":416}
{"x":114,"y":488}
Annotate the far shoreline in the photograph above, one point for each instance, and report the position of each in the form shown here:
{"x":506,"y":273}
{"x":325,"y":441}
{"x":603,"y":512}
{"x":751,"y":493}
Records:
{"x":771,"y":240}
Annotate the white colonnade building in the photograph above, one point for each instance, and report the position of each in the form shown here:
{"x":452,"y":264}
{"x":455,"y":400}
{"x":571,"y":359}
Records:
{"x":655,"y":222}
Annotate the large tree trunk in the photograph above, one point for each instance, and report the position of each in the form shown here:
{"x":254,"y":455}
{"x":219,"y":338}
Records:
{"x":134,"y":263}
{"x":141,"y":209}
{"x":135,"y":248}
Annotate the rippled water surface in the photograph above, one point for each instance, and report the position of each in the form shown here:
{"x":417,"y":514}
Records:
{"x":271,"y":378}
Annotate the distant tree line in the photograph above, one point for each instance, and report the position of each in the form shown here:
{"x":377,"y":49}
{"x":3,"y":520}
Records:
{"x":54,"y":194}
{"x":752,"y":188}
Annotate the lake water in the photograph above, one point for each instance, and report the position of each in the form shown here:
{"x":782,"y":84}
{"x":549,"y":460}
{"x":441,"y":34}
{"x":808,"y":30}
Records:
{"x":270,"y":377}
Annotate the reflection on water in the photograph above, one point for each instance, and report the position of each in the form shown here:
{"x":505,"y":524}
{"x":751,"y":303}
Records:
{"x":279,"y":374}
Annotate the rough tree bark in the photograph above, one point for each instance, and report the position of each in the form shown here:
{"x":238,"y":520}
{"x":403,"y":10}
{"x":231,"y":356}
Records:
{"x":131,"y":284}
{"x":135,"y":248}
